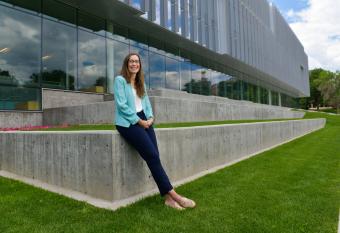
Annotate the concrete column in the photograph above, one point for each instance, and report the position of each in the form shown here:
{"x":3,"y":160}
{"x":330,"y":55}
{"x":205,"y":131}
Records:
{"x":110,"y":65}
{"x":279,"y":98}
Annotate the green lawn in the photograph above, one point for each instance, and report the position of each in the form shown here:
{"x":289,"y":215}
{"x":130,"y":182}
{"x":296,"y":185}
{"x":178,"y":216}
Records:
{"x":292,"y":188}
{"x":331,"y":110}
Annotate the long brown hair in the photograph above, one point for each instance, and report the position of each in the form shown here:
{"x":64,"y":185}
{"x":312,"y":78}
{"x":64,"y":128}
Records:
{"x":139,"y":80}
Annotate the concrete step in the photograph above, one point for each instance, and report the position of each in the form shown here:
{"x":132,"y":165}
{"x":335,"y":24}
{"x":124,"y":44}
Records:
{"x":170,"y":109}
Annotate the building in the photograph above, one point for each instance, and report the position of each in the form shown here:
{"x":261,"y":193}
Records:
{"x":240,"y":49}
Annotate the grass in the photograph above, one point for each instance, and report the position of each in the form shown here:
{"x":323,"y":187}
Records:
{"x":292,"y":188}
{"x":330,"y":110}
{"x":161,"y":125}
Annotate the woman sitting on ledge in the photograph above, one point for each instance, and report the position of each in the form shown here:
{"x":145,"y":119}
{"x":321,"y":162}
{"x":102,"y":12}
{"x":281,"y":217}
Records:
{"x":134,"y":119}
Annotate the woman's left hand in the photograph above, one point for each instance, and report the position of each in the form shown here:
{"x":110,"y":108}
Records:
{"x":150,"y":121}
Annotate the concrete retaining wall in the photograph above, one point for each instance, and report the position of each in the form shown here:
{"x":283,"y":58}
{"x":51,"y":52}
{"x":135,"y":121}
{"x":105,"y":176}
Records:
{"x":95,"y":113}
{"x":10,"y":119}
{"x":168,"y":109}
{"x":101,"y":164}
{"x":53,"y":98}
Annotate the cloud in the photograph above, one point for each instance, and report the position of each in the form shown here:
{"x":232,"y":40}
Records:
{"x":318,"y":30}
{"x":292,"y":16}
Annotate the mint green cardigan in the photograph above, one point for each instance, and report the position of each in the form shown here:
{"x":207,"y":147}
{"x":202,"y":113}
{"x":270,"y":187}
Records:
{"x":125,"y":110}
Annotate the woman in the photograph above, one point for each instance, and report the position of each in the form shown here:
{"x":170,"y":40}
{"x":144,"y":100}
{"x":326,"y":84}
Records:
{"x":134,"y":119}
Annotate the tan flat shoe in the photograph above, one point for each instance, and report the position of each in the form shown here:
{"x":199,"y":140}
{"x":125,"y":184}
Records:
{"x":173,"y":204}
{"x":187,"y":203}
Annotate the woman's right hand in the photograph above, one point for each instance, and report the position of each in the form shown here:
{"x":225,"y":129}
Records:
{"x":143,"y":124}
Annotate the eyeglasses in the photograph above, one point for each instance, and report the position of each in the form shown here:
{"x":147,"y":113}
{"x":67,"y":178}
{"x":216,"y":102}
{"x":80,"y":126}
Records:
{"x":134,"y":61}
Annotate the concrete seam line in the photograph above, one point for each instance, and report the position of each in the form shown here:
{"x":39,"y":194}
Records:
{"x":231,"y":125}
{"x":339,"y":223}
{"x":124,"y":202}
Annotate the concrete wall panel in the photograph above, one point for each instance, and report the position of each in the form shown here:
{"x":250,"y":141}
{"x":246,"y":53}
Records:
{"x":16,"y":119}
{"x":172,"y":106}
{"x":104,"y":166}
{"x":60,"y":98}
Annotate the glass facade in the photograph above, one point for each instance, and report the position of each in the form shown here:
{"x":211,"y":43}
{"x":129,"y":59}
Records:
{"x":59,"y":55}
{"x":52,"y":45}
{"x":20,"y":59}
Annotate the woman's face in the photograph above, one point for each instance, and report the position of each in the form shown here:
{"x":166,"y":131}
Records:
{"x":133,"y":64}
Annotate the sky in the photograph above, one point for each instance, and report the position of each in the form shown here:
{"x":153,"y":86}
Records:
{"x":317,"y":26}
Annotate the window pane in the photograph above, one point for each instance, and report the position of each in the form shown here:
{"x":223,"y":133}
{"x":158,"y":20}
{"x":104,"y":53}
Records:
{"x":275,"y":98}
{"x":185,"y":76}
{"x":157,"y":70}
{"x":172,"y":74}
{"x":91,"y":62}
{"x":220,"y":86}
{"x":120,"y":50}
{"x":264,"y":96}
{"x":20,"y":98}
{"x":196,"y":77}
{"x":245,"y":90}
{"x":205,"y":82}
{"x":20,"y":46}
{"x":59,"y":55}
{"x":117,"y":32}
{"x":236,"y":89}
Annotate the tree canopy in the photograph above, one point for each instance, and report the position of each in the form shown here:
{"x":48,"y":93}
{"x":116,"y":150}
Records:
{"x":324,"y":89}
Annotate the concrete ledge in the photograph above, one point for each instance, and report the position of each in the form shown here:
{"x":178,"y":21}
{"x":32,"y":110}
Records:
{"x":94,"y":113}
{"x":10,"y":119}
{"x":54,"y":98}
{"x":168,"y":109}
{"x":102,"y":165}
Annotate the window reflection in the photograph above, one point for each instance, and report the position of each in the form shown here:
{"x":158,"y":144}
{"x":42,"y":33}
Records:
{"x":172,"y":74}
{"x":236,"y":89}
{"x":185,"y":75}
{"x":222,"y":82}
{"x":157,"y":70}
{"x":20,"y":46}
{"x":252,"y":92}
{"x":205,"y":82}
{"x":264,"y":95}
{"x":196,"y":76}
{"x":19,"y":98}
{"x":215,"y":79}
{"x":59,"y":55}
{"x":275,"y":98}
{"x":91,"y":62}
{"x":120,"y":50}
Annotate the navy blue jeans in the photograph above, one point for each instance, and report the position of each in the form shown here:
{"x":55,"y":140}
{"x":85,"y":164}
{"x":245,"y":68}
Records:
{"x":145,"y":142}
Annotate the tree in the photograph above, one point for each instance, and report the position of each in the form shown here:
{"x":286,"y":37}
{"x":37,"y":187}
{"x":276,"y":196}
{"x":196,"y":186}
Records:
{"x":315,"y":98}
{"x":330,"y":90}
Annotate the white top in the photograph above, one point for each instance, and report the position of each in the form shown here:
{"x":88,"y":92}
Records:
{"x":138,"y":101}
